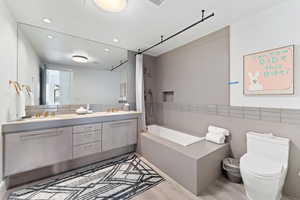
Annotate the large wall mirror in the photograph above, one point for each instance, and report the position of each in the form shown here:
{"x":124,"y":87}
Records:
{"x":61,"y":69}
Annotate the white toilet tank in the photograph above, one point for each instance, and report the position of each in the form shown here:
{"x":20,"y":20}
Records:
{"x":272,"y":147}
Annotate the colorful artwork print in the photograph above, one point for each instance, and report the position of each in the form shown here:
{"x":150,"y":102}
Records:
{"x":269,"y":72}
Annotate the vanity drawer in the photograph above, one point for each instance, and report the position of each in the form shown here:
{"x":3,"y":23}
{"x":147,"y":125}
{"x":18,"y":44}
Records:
{"x":86,"y":137}
{"x":87,"y":128}
{"x":86,"y":149}
{"x":31,"y":150}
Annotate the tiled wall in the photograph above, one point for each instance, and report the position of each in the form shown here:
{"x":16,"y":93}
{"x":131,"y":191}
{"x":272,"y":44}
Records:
{"x":69,"y":109}
{"x":287,"y":116}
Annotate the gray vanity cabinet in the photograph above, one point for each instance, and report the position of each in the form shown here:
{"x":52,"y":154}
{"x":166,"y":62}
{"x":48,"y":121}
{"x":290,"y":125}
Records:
{"x":86,"y":140}
{"x":64,"y":143}
{"x":119,"y":134}
{"x":25,"y":151}
{"x":132,"y":132}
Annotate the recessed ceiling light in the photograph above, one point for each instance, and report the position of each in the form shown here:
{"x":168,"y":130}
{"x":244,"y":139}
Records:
{"x":80,"y":59}
{"x":47,"y":20}
{"x":107,"y":50}
{"x":50,"y":36}
{"x":111,"y":5}
{"x":116,"y":40}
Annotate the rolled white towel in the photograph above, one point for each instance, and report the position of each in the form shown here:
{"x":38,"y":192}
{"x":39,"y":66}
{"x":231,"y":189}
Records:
{"x":214,"y":129}
{"x":215,"y":138}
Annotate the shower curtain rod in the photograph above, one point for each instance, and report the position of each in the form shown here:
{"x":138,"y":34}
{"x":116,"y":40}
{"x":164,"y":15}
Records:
{"x":172,"y":36}
{"x":122,"y":63}
{"x":179,"y":32}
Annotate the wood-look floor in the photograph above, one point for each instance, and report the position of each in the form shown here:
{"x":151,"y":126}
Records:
{"x":170,"y":190}
{"x":221,"y":190}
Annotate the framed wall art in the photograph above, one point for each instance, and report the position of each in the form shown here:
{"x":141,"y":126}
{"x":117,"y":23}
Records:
{"x":269,"y":72}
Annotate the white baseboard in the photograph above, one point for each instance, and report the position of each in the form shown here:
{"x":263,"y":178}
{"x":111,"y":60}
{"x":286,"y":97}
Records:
{"x":2,"y":189}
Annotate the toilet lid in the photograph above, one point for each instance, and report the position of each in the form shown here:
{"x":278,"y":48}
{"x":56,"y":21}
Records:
{"x":261,"y":166}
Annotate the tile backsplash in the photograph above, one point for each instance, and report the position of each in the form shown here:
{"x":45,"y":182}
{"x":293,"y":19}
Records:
{"x":287,"y":116}
{"x":69,"y":109}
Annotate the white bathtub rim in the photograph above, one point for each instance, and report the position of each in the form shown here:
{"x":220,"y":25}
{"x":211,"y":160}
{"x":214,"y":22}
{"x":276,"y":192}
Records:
{"x":177,"y":137}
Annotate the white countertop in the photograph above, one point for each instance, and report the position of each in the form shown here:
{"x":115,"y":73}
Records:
{"x":66,"y":120}
{"x":70,"y":116}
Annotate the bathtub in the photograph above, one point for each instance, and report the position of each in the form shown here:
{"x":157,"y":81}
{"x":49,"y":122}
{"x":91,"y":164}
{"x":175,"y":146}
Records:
{"x":173,"y":136}
{"x":191,"y":161}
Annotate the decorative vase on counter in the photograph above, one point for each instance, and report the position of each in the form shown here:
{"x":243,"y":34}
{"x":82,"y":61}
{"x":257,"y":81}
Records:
{"x":126,"y":107}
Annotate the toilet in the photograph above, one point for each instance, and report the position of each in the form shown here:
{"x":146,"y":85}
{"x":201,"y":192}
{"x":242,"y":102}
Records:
{"x":264,"y":166}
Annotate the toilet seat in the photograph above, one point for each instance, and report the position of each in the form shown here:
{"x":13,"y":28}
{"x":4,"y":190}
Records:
{"x":261,"y":167}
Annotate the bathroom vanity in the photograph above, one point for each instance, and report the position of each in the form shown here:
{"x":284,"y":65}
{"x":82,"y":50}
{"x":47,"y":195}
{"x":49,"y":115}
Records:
{"x":37,"y":143}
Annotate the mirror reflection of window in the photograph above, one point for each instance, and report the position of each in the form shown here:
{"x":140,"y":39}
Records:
{"x":73,"y":70}
{"x":123,"y":91}
{"x":58,"y":87}
{"x":56,"y":94}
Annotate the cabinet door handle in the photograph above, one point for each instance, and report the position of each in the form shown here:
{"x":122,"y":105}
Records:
{"x":60,"y":131}
{"x":120,"y":124}
{"x":38,"y":136}
{"x":90,"y":135}
{"x":85,"y":128}
{"x":89,"y":128}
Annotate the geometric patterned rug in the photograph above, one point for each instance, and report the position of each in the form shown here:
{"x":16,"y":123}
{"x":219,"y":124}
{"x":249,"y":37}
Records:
{"x":120,"y":178}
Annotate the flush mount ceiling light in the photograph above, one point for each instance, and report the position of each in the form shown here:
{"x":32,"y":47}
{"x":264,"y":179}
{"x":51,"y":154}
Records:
{"x":47,"y":20}
{"x":107,"y":50}
{"x":116,"y":40}
{"x":111,"y":5}
{"x":50,"y":36}
{"x":80,"y":59}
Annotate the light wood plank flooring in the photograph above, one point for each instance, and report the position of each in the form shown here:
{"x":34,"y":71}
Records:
{"x":170,"y":190}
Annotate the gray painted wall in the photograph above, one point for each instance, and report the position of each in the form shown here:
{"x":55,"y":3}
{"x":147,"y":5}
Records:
{"x":131,"y":77}
{"x":8,"y":69}
{"x":198,"y":72}
{"x":149,"y":85}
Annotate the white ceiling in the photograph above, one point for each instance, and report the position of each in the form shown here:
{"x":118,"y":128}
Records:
{"x":60,"y":49}
{"x":141,"y":24}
